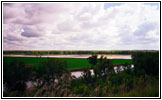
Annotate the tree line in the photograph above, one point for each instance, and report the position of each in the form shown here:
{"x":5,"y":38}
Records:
{"x":21,"y":52}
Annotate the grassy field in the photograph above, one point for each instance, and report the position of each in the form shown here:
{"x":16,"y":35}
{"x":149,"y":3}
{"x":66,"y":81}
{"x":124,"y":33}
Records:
{"x":71,"y":62}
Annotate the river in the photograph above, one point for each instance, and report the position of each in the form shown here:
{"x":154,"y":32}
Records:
{"x":109,"y":56}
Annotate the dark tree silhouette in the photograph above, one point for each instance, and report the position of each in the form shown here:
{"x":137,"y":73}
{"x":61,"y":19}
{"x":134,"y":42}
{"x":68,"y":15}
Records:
{"x":93,"y":59}
{"x":148,"y":62}
{"x":15,"y":75}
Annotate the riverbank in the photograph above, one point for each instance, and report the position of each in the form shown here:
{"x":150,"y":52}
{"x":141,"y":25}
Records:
{"x":114,"y":56}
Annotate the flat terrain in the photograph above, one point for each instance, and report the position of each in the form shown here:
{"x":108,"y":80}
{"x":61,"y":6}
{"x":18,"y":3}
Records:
{"x":109,"y":56}
{"x":71,"y":62}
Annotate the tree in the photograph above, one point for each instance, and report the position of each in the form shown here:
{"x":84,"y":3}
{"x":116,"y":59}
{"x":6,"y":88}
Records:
{"x":15,"y":75}
{"x":93,"y":59}
{"x":103,"y":67}
{"x":147,"y":62}
{"x":49,"y":71}
{"x":87,"y":77}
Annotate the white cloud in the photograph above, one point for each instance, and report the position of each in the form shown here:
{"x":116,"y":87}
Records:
{"x":80,"y":26}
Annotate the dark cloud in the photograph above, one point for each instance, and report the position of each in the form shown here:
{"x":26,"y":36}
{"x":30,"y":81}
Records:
{"x":30,"y":32}
{"x":10,"y":38}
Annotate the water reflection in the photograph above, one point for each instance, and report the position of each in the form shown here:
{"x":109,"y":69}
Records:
{"x":78,"y":74}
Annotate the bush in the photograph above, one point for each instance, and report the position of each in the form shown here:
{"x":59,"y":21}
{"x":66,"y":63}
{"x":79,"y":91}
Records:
{"x":15,"y":75}
{"x":93,"y":59}
{"x":103,"y":67}
{"x":50,"y":70}
{"x":146,"y":61}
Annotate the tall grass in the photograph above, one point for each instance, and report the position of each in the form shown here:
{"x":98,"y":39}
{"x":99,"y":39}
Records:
{"x":143,"y":87}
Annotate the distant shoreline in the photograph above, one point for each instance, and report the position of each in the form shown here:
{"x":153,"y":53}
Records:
{"x":109,"y":56}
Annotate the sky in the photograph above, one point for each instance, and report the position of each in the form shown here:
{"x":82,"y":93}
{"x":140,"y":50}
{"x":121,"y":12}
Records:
{"x":81,"y":26}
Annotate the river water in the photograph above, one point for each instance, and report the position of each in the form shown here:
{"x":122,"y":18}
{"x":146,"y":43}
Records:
{"x":75,"y":56}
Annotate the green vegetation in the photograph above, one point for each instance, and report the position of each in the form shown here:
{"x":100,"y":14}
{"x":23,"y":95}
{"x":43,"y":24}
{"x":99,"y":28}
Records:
{"x":71,"y":62}
{"x":15,"y":76}
{"x":128,"y":83}
{"x":55,"y":52}
{"x":147,"y":62}
{"x":54,"y":80}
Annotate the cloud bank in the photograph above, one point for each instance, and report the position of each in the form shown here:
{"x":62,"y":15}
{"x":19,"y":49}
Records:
{"x":80,"y":26}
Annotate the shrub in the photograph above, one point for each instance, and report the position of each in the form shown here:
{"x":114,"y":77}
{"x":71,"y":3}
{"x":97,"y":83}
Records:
{"x":15,"y":75}
{"x":50,"y":70}
{"x":93,"y":59}
{"x":146,"y":61}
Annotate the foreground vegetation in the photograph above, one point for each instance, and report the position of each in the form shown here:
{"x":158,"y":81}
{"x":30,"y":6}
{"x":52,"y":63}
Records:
{"x":54,"y":80}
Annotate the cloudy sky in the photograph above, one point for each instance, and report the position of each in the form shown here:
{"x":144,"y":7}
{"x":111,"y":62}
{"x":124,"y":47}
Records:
{"x":81,"y":26}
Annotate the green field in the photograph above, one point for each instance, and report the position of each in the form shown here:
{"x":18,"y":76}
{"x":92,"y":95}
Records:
{"x":71,"y":62}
